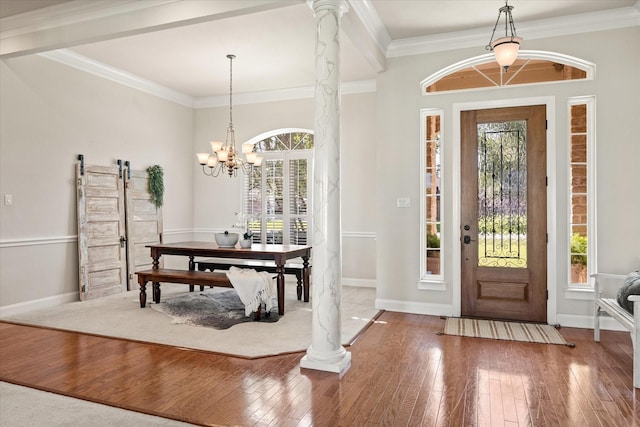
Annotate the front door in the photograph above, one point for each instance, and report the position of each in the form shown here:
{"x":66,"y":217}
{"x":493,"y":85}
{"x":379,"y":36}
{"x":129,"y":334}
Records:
{"x":503,"y":213}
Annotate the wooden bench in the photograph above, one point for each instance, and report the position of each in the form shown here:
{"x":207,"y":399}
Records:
{"x":187,"y":277}
{"x":610,"y":307}
{"x":258,"y":265}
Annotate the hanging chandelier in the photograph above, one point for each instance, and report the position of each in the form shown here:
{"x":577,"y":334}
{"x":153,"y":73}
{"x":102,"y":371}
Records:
{"x":226,"y":157}
{"x":505,"y":48}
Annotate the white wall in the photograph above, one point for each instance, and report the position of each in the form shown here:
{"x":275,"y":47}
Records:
{"x":50,"y":114}
{"x":617,"y":91}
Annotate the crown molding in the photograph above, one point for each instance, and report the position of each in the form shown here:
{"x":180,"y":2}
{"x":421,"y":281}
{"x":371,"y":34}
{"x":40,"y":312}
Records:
{"x":306,"y":92}
{"x":81,"y":62}
{"x":553,"y":27}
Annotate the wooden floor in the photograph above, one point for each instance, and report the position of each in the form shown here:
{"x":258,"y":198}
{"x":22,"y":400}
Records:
{"x":402,"y":374}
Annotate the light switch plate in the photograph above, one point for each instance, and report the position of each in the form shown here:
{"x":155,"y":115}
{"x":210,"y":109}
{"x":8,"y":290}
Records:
{"x":403,"y":202}
{"x":8,"y":199}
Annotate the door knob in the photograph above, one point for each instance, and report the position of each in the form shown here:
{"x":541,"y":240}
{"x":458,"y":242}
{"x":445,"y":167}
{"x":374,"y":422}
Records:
{"x":467,"y":239}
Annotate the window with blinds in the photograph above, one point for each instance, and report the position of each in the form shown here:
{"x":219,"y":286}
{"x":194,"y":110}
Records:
{"x":277,"y":196}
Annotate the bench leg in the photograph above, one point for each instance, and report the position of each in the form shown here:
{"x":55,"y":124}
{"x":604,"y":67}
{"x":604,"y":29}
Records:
{"x":143,"y":294}
{"x":156,"y":292}
{"x":299,"y":287}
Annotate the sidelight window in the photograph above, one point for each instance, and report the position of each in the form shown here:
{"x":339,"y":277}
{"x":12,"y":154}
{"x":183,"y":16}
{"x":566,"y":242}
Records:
{"x":581,"y":190}
{"x":431,"y":184}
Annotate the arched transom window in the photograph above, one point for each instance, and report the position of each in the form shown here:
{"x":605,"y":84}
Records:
{"x":531,"y":67}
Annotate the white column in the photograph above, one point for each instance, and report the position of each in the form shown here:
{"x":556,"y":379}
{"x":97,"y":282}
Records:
{"x":326,"y":352}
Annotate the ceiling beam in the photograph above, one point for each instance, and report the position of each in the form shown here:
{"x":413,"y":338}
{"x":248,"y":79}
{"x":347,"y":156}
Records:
{"x":73,"y":23}
{"x":366,"y":31}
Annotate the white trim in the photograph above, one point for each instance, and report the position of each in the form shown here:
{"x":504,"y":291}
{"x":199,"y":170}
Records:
{"x":47,"y":302}
{"x":457,"y":108}
{"x":359,"y":234}
{"x":588,"y":67}
{"x":83,"y":63}
{"x":38,"y":241}
{"x":359,"y":283}
{"x":56,"y":240}
{"x":585,"y":293}
{"x":305,"y":92}
{"x":411,"y":307}
{"x":586,"y":322}
{"x":553,"y":27}
{"x":432,"y":285}
{"x":70,"y":13}
{"x":372,"y":22}
{"x":80,"y":62}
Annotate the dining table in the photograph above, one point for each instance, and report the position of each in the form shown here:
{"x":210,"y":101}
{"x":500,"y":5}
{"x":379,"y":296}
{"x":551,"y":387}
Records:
{"x":279,"y":254}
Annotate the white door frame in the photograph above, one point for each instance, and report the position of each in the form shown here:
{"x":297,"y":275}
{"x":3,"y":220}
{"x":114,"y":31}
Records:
{"x":552,"y":216}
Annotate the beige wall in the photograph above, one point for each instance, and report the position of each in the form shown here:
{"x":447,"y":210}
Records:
{"x":49,"y":114}
{"x":617,"y":91}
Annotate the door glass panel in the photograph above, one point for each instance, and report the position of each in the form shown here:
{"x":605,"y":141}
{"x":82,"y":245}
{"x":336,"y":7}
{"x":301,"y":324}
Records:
{"x":502,"y":194}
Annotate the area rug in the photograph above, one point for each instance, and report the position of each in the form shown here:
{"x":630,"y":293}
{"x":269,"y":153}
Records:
{"x":120,"y":316}
{"x":509,"y":331}
{"x":219,"y":310}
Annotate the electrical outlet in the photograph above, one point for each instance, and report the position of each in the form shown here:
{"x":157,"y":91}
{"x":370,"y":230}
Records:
{"x":8,"y":199}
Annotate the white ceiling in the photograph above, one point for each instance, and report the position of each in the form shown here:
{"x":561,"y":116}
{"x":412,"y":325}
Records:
{"x":182,"y":45}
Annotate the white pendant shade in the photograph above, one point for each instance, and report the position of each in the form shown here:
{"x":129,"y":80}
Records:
{"x":506,"y":50}
{"x":251,"y":157}
{"x":202,"y":158}
{"x":247,"y":147}
{"x":212,"y":161}
{"x":216,"y":146}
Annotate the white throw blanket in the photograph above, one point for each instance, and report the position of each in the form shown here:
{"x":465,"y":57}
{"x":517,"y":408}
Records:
{"x":253,"y":288}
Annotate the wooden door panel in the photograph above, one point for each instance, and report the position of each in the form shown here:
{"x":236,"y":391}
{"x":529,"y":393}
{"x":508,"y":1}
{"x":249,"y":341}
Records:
{"x":144,"y":224}
{"x":503,"y":210}
{"x":101,"y":226}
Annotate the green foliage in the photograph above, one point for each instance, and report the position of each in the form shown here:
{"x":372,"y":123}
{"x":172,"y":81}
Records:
{"x":578,"y":249}
{"x":156,"y":184}
{"x":433,"y":241}
{"x":503,"y":224}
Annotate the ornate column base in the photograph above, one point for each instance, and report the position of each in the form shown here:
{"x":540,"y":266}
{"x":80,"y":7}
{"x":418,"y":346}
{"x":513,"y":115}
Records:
{"x":338,"y":361}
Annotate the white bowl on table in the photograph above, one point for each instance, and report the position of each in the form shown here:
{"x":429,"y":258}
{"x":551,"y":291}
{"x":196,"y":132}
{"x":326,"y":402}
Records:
{"x":226,"y":239}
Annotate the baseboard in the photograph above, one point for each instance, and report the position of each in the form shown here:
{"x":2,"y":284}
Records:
{"x":361,"y":283}
{"x":586,"y":322}
{"x":414,"y":307}
{"x":22,"y":307}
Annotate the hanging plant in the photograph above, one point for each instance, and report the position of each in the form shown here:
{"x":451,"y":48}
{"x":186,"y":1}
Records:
{"x":156,"y":184}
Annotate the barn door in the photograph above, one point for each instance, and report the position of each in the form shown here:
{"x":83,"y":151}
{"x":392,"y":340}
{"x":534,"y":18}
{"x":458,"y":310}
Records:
{"x":101,"y":232}
{"x":144,"y":223}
